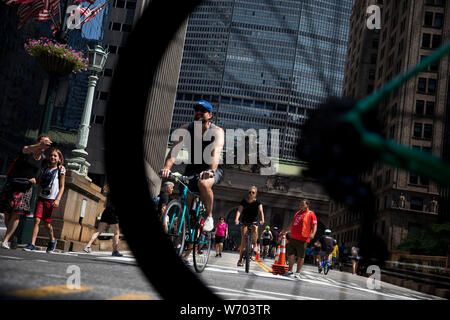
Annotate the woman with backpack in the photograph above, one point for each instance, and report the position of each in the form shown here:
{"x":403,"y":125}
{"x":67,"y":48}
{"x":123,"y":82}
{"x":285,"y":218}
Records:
{"x":15,"y":197}
{"x":51,"y":182}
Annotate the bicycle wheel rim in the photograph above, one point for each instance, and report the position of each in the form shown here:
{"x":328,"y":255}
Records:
{"x":201,"y":259}
{"x":176,"y":236}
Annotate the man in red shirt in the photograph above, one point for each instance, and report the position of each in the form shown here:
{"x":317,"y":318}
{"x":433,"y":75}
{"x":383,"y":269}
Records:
{"x":303,"y":228}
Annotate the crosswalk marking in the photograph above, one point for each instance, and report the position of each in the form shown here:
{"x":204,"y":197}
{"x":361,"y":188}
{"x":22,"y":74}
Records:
{"x":127,"y":259}
{"x":221,"y":270}
{"x":48,"y":291}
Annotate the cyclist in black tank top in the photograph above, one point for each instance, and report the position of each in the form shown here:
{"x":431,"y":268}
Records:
{"x":206,"y":166}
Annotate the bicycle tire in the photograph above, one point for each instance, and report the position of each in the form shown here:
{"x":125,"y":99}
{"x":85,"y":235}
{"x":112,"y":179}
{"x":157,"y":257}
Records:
{"x":248,"y":251}
{"x":178,"y":240}
{"x":326,"y":268}
{"x":201,"y":260}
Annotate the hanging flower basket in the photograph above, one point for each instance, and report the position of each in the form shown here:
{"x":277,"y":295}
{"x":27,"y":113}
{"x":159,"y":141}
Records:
{"x":55,"y":58}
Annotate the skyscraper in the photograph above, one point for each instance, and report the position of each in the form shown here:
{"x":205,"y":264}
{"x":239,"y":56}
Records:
{"x":263,"y":64}
{"x":414,"y":115}
{"x":123,"y":14}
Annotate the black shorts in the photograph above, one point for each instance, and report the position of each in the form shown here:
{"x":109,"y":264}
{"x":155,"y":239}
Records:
{"x":220,"y":239}
{"x":109,"y":216}
{"x":266,"y":242}
{"x":193,"y":183}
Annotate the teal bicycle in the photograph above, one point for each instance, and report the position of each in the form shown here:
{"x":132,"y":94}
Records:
{"x":183,"y":225}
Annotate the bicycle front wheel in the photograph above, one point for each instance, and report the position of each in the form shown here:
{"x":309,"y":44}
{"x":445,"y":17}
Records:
{"x":174,"y":225}
{"x":202,"y":249}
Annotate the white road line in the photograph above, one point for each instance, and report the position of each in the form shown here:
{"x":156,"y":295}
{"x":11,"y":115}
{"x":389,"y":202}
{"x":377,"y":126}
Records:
{"x":117,"y":259}
{"x":221,"y":270}
{"x":273,"y":276}
{"x":283,"y":294}
{"x":242,"y":293}
{"x":38,"y":260}
{"x":8,"y":257}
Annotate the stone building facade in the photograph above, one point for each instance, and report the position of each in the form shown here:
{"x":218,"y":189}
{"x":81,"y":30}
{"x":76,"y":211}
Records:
{"x":413,"y":115}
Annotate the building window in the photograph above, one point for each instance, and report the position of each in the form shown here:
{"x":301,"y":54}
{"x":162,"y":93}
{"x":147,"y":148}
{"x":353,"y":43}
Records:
{"x":115,"y":26}
{"x":434,"y":2}
{"x":99,"y":119}
{"x":387,"y":177}
{"x":431,"y":86}
{"x":126,"y":27}
{"x":429,"y":111}
{"x":426,"y":40}
{"x":120,"y":4}
{"x":420,"y":107}
{"x":416,"y":203}
{"x":112,"y":49}
{"x":413,"y":178}
{"x":428,"y":19}
{"x":103,"y":95}
{"x":422,"y":85}
{"x":131,"y":5}
{"x":428,"y":131}
{"x":108,"y":72}
{"x":417,"y":133}
{"x":427,"y":86}
{"x":437,"y":39}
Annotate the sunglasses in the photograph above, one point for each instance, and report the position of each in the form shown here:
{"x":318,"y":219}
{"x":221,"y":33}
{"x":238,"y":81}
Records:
{"x":200,"y":109}
{"x":251,"y":192}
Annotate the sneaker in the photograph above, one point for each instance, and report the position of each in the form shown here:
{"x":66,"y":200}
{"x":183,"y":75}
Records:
{"x":288,"y":274}
{"x":220,"y":255}
{"x":117,"y":254}
{"x":87,"y":249}
{"x":186,"y":262}
{"x":51,"y":246}
{"x":209,"y":224}
{"x":30,"y":247}
{"x":5,"y":245}
{"x":239,"y":264}
{"x":297,"y":275}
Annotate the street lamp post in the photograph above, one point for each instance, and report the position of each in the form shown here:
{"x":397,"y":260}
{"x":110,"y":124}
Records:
{"x":78,"y":164}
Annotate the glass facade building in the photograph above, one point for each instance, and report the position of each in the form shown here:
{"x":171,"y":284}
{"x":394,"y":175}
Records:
{"x":263,"y":64}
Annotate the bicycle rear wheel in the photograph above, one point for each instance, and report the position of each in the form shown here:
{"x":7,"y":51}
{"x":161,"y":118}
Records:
{"x":248,"y":251}
{"x":202,"y":249}
{"x":171,"y":221}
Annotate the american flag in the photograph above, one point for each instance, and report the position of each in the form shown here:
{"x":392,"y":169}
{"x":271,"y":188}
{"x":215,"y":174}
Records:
{"x":13,"y":2}
{"x":90,"y":14}
{"x":81,"y":1}
{"x":94,"y":12}
{"x":40,"y":10}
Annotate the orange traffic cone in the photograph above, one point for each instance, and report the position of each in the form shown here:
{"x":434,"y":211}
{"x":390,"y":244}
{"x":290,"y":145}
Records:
{"x":280,"y":267}
{"x":258,"y":251}
{"x":277,"y":255}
